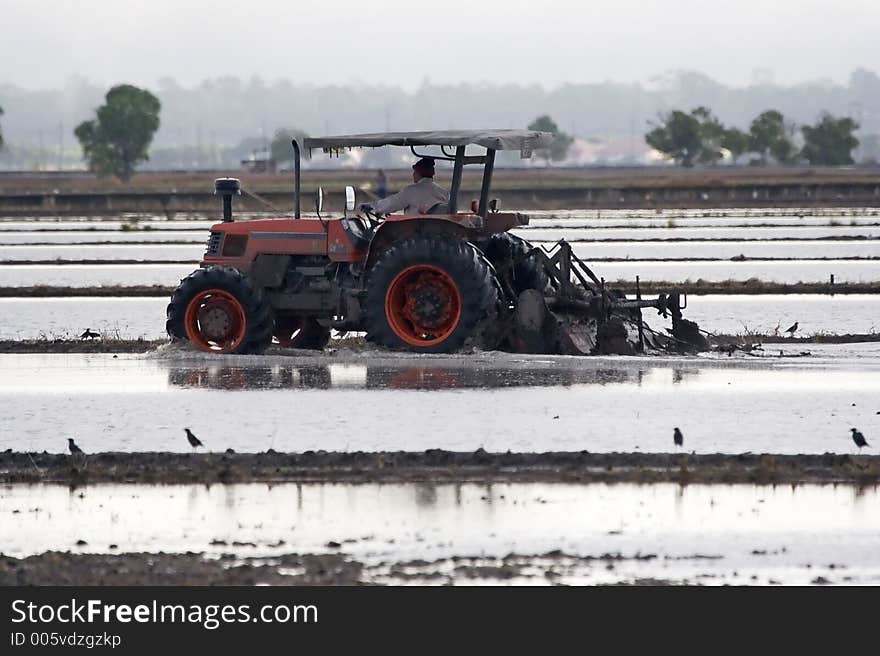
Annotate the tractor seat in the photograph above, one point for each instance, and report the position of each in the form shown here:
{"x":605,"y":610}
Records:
{"x":358,"y":232}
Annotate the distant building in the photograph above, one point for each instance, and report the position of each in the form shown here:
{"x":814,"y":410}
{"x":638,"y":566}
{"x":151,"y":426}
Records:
{"x":260,"y":161}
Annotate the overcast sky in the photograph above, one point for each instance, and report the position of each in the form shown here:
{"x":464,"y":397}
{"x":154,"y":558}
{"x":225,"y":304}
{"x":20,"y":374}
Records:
{"x":403,"y":43}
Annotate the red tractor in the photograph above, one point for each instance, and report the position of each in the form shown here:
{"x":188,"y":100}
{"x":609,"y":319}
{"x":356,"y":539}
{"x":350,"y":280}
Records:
{"x":430,"y":282}
{"x":419,"y":282}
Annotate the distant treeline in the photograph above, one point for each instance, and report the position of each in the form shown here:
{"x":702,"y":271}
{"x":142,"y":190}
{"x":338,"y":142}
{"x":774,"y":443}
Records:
{"x":698,"y":137}
{"x":221,"y":121}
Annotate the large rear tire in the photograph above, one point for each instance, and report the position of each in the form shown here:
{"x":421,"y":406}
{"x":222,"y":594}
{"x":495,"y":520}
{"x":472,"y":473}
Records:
{"x":218,"y":310}
{"x":429,"y":295}
{"x":527,"y":272}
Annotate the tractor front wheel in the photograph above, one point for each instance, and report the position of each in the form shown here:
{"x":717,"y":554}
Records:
{"x":429,"y":295}
{"x":218,"y":310}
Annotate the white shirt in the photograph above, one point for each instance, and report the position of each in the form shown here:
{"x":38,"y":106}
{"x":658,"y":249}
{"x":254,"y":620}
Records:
{"x":416,"y":198}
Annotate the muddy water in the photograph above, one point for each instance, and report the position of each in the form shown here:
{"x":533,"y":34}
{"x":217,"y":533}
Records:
{"x":706,"y":534}
{"x":361,"y":401}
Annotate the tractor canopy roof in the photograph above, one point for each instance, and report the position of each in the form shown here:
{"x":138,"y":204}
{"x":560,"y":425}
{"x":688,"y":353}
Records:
{"x":522,"y":140}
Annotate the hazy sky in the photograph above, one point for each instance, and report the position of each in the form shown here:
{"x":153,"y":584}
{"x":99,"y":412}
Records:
{"x":44,"y":42}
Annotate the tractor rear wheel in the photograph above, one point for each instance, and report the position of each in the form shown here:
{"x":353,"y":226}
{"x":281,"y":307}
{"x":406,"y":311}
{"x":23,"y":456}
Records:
{"x":293,"y":331}
{"x":218,"y":310}
{"x":429,"y":295}
{"x":528,"y":270}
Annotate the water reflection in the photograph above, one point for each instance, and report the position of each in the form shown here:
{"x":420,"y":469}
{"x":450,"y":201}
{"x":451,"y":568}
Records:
{"x":767,"y":530}
{"x":403,"y":377}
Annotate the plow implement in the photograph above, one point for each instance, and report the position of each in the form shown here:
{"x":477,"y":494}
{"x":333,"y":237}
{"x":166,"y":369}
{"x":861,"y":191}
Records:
{"x":578,"y":314}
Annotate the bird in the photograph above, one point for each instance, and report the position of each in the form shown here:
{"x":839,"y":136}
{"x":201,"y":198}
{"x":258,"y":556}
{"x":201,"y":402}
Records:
{"x":74,"y":449}
{"x":859,"y":439}
{"x":791,"y":329}
{"x":192,"y":439}
{"x":88,"y":333}
{"x":677,"y":437}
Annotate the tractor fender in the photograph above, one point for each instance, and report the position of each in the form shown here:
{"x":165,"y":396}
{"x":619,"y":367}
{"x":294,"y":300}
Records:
{"x":390,"y":232}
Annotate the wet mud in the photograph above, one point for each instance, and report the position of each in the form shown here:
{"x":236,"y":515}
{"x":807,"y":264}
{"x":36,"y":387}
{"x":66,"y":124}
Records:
{"x":437,"y":466}
{"x":290,"y":569}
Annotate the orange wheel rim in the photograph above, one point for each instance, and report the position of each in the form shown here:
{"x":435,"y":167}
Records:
{"x":215,"y":321}
{"x":287,"y":329}
{"x":423,"y":305}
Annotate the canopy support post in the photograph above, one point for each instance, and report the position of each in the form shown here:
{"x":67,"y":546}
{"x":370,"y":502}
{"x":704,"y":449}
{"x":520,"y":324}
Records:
{"x":487,"y":182}
{"x":456,"y":179}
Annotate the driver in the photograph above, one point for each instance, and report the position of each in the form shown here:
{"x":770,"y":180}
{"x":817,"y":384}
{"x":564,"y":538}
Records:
{"x":416,"y":198}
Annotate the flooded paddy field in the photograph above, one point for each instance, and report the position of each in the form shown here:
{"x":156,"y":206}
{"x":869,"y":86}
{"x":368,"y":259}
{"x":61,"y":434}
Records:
{"x":778,"y":247}
{"x":779,"y":271}
{"x":721,"y":314}
{"x":520,"y":533}
{"x":592,"y":251}
{"x":198,"y":236}
{"x":624,"y":506}
{"x":340,"y":401}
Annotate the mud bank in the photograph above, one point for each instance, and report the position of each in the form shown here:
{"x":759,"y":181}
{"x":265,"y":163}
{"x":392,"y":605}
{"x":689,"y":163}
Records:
{"x":80,"y":346}
{"x":61,"y":346}
{"x":437,"y":466}
{"x":65,"y":568}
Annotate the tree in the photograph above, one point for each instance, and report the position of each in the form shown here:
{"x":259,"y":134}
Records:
{"x":118,"y":138}
{"x":677,"y":136}
{"x":281,"y":148}
{"x":561,"y":142}
{"x":830,"y":142}
{"x":711,"y":136}
{"x":736,"y":141}
{"x":770,"y":136}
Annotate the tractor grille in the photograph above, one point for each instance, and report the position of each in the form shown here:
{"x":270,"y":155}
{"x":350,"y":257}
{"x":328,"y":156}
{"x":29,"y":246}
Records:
{"x":214,"y":242}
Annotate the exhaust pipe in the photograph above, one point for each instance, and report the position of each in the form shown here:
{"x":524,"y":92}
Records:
{"x":227,"y":187}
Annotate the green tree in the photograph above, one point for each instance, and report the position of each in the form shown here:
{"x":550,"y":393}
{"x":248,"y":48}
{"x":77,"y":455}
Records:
{"x":120,"y":135}
{"x":736,"y":141}
{"x":711,"y":136}
{"x":677,"y":136}
{"x":770,"y":136}
{"x":830,"y":142}
{"x":280,"y":148}
{"x":561,"y":142}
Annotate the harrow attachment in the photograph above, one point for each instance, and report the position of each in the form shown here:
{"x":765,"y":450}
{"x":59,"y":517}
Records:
{"x":577,"y":314}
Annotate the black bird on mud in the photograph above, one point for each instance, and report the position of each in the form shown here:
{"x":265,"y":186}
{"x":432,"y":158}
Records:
{"x":677,"y":437}
{"x":192,"y":439}
{"x":88,"y":333}
{"x":74,"y":449}
{"x":859,"y":439}
{"x":791,"y":329}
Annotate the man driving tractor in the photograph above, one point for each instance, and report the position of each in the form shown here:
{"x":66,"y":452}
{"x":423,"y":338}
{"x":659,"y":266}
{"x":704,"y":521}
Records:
{"x":417,"y":198}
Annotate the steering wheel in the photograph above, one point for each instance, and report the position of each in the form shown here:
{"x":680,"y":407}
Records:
{"x":374,"y":222}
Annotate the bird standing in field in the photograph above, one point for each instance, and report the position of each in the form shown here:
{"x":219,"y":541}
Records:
{"x":791,"y":329}
{"x":677,"y":437}
{"x":88,"y":333}
{"x":194,"y":442}
{"x":74,"y":449}
{"x":859,"y":439}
